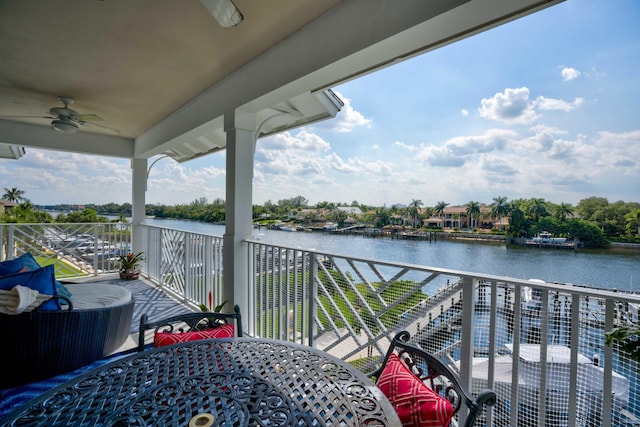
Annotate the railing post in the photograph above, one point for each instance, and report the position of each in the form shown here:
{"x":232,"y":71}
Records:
{"x":3,"y":252}
{"x":607,"y":404}
{"x":188,"y":270}
{"x":11,"y":245}
{"x":95,"y":249}
{"x":466,"y":334}
{"x":573,"y":373}
{"x":313,"y":292}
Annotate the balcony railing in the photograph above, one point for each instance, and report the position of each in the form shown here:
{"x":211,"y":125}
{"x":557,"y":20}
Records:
{"x":515,"y":336}
{"x":74,"y":249}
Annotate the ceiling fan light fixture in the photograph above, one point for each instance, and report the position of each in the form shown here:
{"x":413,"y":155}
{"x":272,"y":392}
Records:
{"x":64,"y":126}
{"x":224,"y":11}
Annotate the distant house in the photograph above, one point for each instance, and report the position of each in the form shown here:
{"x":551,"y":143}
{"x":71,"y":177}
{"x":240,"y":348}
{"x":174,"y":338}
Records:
{"x":6,"y":206}
{"x":457,"y":217}
{"x":317,"y":215}
{"x":432,"y":222}
{"x":350,"y":210}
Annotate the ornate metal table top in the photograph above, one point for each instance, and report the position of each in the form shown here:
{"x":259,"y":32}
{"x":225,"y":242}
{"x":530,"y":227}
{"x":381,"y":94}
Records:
{"x":234,"y":382}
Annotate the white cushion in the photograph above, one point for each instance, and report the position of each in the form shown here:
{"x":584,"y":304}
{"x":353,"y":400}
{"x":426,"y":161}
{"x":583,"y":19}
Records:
{"x":86,"y":295}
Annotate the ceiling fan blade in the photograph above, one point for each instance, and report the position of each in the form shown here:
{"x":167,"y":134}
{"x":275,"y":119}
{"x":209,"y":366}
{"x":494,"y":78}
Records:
{"x":27,"y":117}
{"x":104,"y":128}
{"x":87,"y":117}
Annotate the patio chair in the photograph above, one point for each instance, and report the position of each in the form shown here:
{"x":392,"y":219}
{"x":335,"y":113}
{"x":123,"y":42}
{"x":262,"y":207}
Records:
{"x":422,"y":389}
{"x":190,"y":327}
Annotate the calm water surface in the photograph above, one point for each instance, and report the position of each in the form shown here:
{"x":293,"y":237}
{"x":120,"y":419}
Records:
{"x":602,"y":269}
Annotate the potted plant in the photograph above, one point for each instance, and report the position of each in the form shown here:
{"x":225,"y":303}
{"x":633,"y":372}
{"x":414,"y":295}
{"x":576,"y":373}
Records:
{"x":129,"y":265}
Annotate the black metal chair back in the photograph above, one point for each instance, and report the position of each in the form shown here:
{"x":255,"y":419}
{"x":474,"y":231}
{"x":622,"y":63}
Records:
{"x":188,"y":322}
{"x":437,"y":376}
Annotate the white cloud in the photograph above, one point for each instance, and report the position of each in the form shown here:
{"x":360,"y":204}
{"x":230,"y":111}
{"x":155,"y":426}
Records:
{"x":557,"y":104}
{"x":407,"y":147}
{"x":511,"y":106}
{"x":514,"y":106}
{"x":457,"y":151}
{"x":302,"y":141}
{"x":464,"y":112}
{"x":348,"y":118}
{"x":569,"y":73}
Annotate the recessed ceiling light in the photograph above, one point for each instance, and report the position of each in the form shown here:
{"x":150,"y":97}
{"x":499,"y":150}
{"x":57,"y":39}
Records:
{"x":225,"y":12}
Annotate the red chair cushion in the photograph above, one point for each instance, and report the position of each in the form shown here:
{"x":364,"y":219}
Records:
{"x":415,"y":403}
{"x":168,"y":338}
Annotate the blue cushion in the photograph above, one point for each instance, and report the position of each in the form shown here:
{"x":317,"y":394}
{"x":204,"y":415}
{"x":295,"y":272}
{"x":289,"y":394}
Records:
{"x":30,"y":262}
{"x":42,"y":280}
{"x":16,"y":264}
{"x":27,"y":260}
{"x":11,"y":266}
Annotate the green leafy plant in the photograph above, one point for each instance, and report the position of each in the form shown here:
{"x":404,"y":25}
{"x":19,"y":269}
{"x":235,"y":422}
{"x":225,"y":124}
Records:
{"x":216,"y":309}
{"x":130,"y":261}
{"x":211,"y":322}
{"x":627,"y":337}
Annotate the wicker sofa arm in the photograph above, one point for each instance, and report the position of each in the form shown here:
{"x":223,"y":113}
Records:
{"x":45,"y":343}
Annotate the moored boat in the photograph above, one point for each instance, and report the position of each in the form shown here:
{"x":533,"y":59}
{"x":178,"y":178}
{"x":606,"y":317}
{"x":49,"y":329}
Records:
{"x":546,"y":239}
{"x":558,"y":364}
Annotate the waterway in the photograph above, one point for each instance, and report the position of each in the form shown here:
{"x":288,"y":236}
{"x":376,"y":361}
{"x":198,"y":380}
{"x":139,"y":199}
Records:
{"x":610,"y":269}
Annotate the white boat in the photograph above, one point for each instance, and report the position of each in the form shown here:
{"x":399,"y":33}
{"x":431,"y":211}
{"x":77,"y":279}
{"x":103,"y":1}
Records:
{"x":558,"y":362}
{"x":330,"y":226}
{"x":546,"y":238}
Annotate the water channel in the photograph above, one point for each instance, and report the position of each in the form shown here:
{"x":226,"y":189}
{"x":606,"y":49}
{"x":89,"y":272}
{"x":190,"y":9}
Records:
{"x":610,"y":269}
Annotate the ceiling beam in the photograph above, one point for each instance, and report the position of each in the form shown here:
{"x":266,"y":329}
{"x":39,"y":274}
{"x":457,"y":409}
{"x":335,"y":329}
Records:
{"x":45,"y":137}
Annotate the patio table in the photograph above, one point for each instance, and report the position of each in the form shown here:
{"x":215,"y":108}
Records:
{"x":221,"y":382}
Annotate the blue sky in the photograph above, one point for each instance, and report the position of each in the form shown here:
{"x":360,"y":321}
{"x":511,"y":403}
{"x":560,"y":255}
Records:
{"x":545,"y":106}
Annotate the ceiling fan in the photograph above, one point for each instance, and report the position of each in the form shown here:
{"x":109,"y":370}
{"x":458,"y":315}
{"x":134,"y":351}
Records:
{"x":66,"y":120}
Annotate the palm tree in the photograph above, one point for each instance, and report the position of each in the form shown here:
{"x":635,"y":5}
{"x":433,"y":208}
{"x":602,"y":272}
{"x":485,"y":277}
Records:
{"x":439,"y":210}
{"x":414,"y":210}
{"x":13,"y":195}
{"x":473,"y":210}
{"x":499,"y":208}
{"x":537,"y":208}
{"x":563,"y":210}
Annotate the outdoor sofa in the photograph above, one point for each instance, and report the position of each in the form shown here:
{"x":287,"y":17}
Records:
{"x":66,"y":327}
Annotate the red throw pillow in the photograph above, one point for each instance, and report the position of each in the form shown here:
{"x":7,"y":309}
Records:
{"x":168,"y":338}
{"x":415,"y":403}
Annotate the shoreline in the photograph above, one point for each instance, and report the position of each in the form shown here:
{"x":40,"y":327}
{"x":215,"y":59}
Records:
{"x":434,"y":236}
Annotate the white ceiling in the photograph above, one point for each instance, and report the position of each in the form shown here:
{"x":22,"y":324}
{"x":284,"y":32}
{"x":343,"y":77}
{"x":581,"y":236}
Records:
{"x":163,"y":72}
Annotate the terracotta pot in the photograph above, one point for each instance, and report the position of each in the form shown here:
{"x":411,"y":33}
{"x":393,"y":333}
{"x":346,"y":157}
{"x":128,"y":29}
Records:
{"x":129,"y":275}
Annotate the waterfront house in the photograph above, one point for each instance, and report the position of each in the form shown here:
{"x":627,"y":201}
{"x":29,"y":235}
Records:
{"x":170,"y":80}
{"x":6,"y":206}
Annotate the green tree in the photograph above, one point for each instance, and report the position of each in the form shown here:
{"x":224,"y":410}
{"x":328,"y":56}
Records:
{"x":536,"y":208}
{"x":382,"y":217}
{"x":473,"y":210}
{"x":587,"y":233}
{"x":86,"y":215}
{"x":563,"y":211}
{"x":338,"y":216}
{"x":518,"y":222}
{"x":499,"y":208}
{"x":633,"y":222}
{"x":413,"y":210}
{"x":439,"y":210}
{"x":13,"y":195}
{"x":586,"y":208}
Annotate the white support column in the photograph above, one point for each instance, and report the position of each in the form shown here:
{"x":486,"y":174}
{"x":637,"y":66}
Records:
{"x":138,"y":197}
{"x":240,"y":128}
